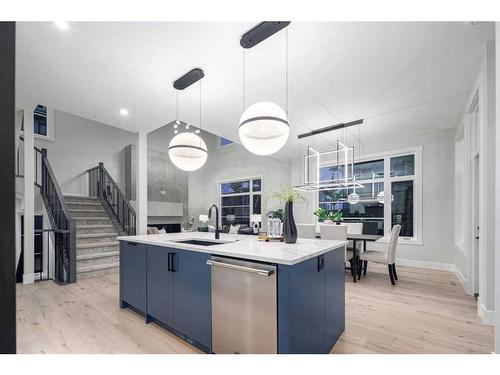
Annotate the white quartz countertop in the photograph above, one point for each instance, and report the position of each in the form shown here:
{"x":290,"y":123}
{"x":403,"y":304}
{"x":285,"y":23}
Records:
{"x":244,"y":246}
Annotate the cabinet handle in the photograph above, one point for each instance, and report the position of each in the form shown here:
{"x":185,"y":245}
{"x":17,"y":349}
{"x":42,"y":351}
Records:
{"x":171,"y":262}
{"x":321,"y":263}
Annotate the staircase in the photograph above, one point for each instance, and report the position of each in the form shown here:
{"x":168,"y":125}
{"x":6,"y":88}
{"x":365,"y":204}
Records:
{"x":97,"y":251}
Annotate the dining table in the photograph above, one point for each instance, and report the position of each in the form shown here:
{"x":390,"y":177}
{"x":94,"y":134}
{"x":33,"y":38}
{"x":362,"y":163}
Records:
{"x":355,"y":238}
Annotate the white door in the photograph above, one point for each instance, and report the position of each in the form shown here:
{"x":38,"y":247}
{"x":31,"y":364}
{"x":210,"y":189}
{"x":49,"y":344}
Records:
{"x":475,"y":223}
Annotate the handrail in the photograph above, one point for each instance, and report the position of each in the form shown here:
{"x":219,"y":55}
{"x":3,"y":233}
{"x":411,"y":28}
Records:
{"x":63,"y":225}
{"x":38,"y":157}
{"x":121,"y":212}
{"x":62,"y":222}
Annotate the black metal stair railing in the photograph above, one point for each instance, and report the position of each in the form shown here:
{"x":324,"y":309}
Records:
{"x":63,"y":224}
{"x":119,"y":209}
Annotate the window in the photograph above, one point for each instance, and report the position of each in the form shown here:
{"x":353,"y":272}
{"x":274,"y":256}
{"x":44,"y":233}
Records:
{"x":42,"y":124}
{"x":240,"y":199}
{"x":224,"y":142}
{"x":396,"y":174}
{"x":40,"y":120}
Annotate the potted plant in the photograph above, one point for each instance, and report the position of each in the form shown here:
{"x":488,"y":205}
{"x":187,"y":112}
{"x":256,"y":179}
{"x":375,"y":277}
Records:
{"x":278,"y":214}
{"x":289,"y":196}
{"x":336,"y":216}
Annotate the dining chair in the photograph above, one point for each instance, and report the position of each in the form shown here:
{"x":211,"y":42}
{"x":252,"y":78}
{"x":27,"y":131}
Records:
{"x":336,"y":233}
{"x":306,"y":230}
{"x":354,"y":228}
{"x":388,"y":257}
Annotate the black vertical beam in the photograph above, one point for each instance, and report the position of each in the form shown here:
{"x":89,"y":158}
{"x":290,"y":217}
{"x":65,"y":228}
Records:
{"x":7,"y":188}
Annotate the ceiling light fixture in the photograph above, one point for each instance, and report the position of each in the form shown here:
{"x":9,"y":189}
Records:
{"x":62,"y":25}
{"x":264,"y":127}
{"x":187,"y":151}
{"x":123,"y":112}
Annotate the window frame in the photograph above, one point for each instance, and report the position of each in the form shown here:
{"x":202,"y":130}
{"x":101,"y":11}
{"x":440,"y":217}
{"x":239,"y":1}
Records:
{"x":50,"y":125}
{"x":250,"y":193}
{"x":387,"y":180}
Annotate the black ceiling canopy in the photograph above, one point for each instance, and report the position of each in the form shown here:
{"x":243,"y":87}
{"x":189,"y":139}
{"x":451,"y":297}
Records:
{"x":261,"y":32}
{"x":330,"y":128}
{"x":188,"y":79}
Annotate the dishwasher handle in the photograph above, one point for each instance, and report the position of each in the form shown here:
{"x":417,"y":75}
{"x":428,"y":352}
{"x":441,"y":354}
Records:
{"x":240,"y":268}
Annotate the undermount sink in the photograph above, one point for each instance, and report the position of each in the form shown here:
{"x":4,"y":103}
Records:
{"x":202,"y":242}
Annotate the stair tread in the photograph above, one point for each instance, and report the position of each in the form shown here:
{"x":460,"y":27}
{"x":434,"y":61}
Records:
{"x":96,"y":235}
{"x":97,"y":267}
{"x":102,"y":254}
{"x":96,"y":244}
{"x":86,"y":210}
{"x":91,"y":218}
{"x":72,"y":196}
{"x":95,"y":226}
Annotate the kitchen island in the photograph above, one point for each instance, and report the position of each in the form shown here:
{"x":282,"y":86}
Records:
{"x":237,"y":294}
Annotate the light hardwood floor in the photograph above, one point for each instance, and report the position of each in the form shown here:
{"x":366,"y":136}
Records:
{"x":427,"y":312}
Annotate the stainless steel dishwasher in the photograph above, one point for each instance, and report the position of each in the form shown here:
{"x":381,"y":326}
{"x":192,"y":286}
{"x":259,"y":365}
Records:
{"x":244,"y":306}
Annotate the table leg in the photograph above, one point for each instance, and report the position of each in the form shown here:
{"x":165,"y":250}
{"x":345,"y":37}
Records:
{"x":355,"y":261}
{"x":360,"y":265}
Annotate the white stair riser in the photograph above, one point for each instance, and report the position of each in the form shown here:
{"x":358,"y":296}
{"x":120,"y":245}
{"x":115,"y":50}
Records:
{"x":86,"y":275}
{"x":92,"y":221}
{"x":94,"y":250}
{"x":97,"y":261}
{"x":107,"y":229}
{"x":89,"y":213}
{"x":81,"y":241}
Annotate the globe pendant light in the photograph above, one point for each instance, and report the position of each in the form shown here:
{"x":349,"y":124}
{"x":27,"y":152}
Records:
{"x":187,"y":151}
{"x":381,"y":197}
{"x":353,"y":198}
{"x":264,"y":127}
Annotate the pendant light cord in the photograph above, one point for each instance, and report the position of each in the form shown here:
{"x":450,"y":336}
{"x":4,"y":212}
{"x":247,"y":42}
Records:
{"x":244,"y":80}
{"x":286,"y":71}
{"x":177,"y":95}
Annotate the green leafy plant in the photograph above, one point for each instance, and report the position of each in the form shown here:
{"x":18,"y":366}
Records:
{"x":278,"y":214}
{"x":321,"y":214}
{"x":336,"y":216}
{"x":289,"y":194}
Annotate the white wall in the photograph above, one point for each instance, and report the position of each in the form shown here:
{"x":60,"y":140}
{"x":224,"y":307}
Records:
{"x":497,"y":195}
{"x":437,"y":250}
{"x":81,"y":144}
{"x":230,"y":163}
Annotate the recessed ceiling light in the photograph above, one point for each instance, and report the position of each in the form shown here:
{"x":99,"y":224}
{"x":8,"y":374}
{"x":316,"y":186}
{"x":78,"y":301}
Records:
{"x":197,"y":131}
{"x":123,"y":112}
{"x":62,"y":25}
{"x":175,"y":126}
{"x":187,"y":126}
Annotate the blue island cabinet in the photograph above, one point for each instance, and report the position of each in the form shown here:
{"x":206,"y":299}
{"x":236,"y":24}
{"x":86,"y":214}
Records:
{"x":311,"y":304}
{"x":178,"y":293}
{"x":133,"y":276}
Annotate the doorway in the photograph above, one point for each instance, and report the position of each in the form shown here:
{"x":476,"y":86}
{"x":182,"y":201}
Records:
{"x":475,"y":225}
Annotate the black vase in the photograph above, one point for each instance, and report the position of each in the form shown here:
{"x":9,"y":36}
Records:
{"x":289,"y":227}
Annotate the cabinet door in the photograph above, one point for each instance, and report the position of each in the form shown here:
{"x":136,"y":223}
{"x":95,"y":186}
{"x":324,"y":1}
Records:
{"x":192,"y":307}
{"x":334,"y":296}
{"x":160,"y":284}
{"x":133,"y":274}
{"x":307,"y":308}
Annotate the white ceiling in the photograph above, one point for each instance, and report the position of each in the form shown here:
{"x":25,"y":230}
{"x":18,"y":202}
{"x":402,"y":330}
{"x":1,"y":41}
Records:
{"x":395,"y":75}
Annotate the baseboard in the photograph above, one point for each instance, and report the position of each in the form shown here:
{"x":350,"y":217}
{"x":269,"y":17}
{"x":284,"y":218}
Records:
{"x":463,"y":281}
{"x":28,"y":278}
{"x":425,"y":264}
{"x":487,"y":316}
